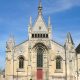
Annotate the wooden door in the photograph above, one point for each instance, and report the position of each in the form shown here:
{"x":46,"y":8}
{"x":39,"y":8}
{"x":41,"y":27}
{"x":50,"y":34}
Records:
{"x":39,"y":74}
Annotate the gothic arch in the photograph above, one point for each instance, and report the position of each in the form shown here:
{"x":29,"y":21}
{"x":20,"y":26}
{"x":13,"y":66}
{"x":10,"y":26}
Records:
{"x":40,"y":50}
{"x":58,"y":56}
{"x":21,"y":61}
{"x":58,"y":62}
{"x":40,"y":45}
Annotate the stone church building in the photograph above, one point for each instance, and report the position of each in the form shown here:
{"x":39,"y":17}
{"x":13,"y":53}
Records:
{"x":40,"y":57}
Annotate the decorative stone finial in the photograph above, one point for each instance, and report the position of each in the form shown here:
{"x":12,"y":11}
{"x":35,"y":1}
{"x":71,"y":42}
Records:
{"x":40,"y":8}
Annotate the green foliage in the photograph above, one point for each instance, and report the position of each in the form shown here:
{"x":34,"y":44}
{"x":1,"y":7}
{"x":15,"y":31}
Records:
{"x":0,"y":71}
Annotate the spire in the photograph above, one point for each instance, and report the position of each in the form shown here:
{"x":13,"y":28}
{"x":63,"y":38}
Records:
{"x":30,"y":20}
{"x":40,"y":8}
{"x":40,"y":4}
{"x":69,"y":38}
{"x":49,"y":21}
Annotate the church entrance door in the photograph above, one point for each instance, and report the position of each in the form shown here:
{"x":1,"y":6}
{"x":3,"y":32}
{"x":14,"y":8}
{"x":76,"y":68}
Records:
{"x":39,"y":74}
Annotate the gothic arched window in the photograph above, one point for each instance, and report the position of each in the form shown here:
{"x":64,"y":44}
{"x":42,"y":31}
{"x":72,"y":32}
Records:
{"x":21,"y":62}
{"x":39,"y":57}
{"x":58,"y":62}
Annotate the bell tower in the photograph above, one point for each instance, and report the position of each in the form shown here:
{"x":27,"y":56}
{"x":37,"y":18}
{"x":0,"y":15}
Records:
{"x":40,"y":30}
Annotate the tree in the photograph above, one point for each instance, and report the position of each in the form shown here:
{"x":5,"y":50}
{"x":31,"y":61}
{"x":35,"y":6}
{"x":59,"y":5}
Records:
{"x":0,"y":71}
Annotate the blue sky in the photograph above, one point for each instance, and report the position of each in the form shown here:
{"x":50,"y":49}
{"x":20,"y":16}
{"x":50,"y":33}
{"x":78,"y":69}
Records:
{"x":14,"y":19}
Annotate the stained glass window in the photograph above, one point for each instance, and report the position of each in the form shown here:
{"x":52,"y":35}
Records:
{"x":21,"y":62}
{"x":39,"y":57}
{"x":58,"y":62}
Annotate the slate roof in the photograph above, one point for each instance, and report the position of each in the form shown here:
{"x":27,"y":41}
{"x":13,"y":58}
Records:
{"x":78,"y":49}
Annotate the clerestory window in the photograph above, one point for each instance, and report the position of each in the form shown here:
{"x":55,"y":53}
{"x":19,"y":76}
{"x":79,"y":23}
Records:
{"x":32,"y":35}
{"x":39,"y":35}
{"x":46,"y":35}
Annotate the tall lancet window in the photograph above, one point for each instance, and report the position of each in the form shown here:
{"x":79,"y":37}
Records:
{"x":58,"y":62}
{"x":21,"y":62}
{"x":39,"y":57}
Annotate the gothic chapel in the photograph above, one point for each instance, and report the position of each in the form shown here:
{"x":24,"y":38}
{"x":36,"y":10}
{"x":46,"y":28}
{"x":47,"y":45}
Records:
{"x":40,"y":57}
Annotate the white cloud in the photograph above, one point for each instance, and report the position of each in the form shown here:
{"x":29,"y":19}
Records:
{"x":60,"y":5}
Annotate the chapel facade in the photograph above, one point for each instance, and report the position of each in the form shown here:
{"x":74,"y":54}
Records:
{"x":40,"y":57}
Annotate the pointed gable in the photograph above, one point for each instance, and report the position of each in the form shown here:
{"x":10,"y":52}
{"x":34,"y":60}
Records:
{"x":39,"y":25}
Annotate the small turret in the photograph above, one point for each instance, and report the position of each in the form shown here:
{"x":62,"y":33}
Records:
{"x":49,"y":28}
{"x":30,"y":27}
{"x":10,"y":43}
{"x":69,"y":39}
{"x":69,"y":42}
